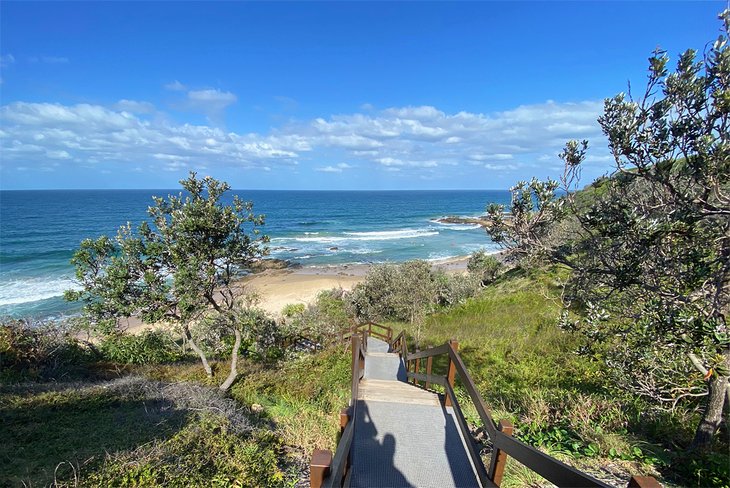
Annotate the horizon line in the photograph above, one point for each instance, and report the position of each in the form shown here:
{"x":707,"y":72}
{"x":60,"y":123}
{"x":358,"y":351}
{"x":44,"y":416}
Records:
{"x":254,"y":189}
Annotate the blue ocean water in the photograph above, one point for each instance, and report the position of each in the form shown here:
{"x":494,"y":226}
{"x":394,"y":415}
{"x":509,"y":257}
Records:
{"x":39,"y":231}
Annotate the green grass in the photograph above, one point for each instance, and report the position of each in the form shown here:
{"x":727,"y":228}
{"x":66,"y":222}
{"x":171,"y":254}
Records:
{"x":303,"y":397}
{"x":39,"y":431}
{"x":524,"y":366}
{"x":526,"y":369}
{"x":118,"y":434}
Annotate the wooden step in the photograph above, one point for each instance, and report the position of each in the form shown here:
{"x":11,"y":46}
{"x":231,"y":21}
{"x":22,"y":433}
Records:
{"x":395,"y":392}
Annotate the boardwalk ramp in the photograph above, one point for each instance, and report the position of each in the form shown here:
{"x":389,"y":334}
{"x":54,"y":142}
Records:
{"x":405,"y":434}
{"x":397,"y":433}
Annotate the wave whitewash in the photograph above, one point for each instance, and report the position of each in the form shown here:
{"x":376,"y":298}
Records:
{"x":40,"y":230}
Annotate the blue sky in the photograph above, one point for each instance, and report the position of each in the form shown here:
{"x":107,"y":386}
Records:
{"x":332,"y":95}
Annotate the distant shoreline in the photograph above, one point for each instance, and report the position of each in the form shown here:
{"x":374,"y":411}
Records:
{"x":277,"y":288}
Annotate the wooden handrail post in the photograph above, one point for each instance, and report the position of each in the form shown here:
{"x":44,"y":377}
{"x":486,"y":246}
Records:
{"x":429,"y":363}
{"x":418,"y":369}
{"x":344,"y":419}
{"x":319,"y":467}
{"x":354,"y":348}
{"x":451,"y":371}
{"x":499,"y":457}
{"x":643,"y":482}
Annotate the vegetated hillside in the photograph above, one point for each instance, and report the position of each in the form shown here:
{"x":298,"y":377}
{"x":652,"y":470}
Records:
{"x":168,"y":425}
{"x":528,"y":371}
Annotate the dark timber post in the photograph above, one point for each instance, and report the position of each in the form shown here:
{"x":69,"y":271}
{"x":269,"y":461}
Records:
{"x":454,"y":345}
{"x":417,"y":370}
{"x":319,"y":467}
{"x":643,"y":482}
{"x":429,"y":363}
{"x":344,"y":418}
{"x":499,"y":457}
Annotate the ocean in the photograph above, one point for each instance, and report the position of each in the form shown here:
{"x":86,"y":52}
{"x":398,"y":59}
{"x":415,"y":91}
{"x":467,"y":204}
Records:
{"x":40,"y":230}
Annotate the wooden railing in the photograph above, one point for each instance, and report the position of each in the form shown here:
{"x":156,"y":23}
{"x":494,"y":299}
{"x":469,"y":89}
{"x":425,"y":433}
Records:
{"x":382,"y":332}
{"x":500,"y":433}
{"x":324,"y":469}
{"x":330,"y":472}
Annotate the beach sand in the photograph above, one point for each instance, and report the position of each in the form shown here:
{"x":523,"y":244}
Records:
{"x":278,"y":288}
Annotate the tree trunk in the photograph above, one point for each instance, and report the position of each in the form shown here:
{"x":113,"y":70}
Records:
{"x":712,"y":416}
{"x":234,"y":362}
{"x":198,"y":351}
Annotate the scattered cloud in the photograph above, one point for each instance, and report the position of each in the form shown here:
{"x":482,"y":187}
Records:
{"x":211,"y":102}
{"x":175,"y":86}
{"x":6,"y":60}
{"x":334,"y":169}
{"x":91,"y":134}
{"x":48,"y":59}
{"x":418,"y":141}
{"x":135,"y":107}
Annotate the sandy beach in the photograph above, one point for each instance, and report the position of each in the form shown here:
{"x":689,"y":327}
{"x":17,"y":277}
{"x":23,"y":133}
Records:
{"x":277,"y":288}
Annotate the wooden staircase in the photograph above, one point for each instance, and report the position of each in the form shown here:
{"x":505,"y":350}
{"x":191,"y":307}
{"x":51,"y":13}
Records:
{"x":399,"y":433}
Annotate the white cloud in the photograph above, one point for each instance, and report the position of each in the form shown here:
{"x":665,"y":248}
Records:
{"x":329,"y":169}
{"x":175,"y":86}
{"x":212,"y":96}
{"x":94,"y":134}
{"x":211,"y":102}
{"x":413,"y":140}
{"x":500,"y":167}
{"x":334,"y":169}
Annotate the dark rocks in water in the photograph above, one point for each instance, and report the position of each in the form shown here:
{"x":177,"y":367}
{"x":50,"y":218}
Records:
{"x":334,"y":248}
{"x":270,"y":263}
{"x":455,"y":219}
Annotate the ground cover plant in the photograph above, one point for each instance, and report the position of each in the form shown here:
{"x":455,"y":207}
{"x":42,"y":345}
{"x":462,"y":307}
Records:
{"x":133,"y":431}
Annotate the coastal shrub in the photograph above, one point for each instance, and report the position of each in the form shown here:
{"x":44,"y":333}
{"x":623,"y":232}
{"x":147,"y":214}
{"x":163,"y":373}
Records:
{"x":395,"y":292}
{"x":261,"y":336}
{"x":457,"y":288}
{"x":292,"y":310}
{"x":38,"y":349}
{"x":484,"y":266}
{"x":318,"y":322}
{"x":149,"y":347}
{"x":181,"y":263}
{"x":328,"y":314}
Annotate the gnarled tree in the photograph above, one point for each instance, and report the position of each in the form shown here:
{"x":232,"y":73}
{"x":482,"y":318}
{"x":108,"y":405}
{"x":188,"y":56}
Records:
{"x":179,"y":267}
{"x":651,"y":244}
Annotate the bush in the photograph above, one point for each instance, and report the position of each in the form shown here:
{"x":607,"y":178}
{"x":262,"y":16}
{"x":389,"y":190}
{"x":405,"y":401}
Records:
{"x":456,"y":289}
{"x":149,"y":347}
{"x":395,"y":292}
{"x":484,"y":266}
{"x":38,"y":350}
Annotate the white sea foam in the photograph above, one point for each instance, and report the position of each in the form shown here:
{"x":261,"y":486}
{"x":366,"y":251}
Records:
{"x":363,"y":251}
{"x":436,"y":257}
{"x":452,"y":226}
{"x":33,"y":290}
{"x":363,"y":236}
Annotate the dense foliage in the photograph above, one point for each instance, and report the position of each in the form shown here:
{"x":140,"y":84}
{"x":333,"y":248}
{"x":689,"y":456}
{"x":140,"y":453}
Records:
{"x":149,"y":347}
{"x":650,"y":249}
{"x":33,"y":351}
{"x":179,"y":268}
